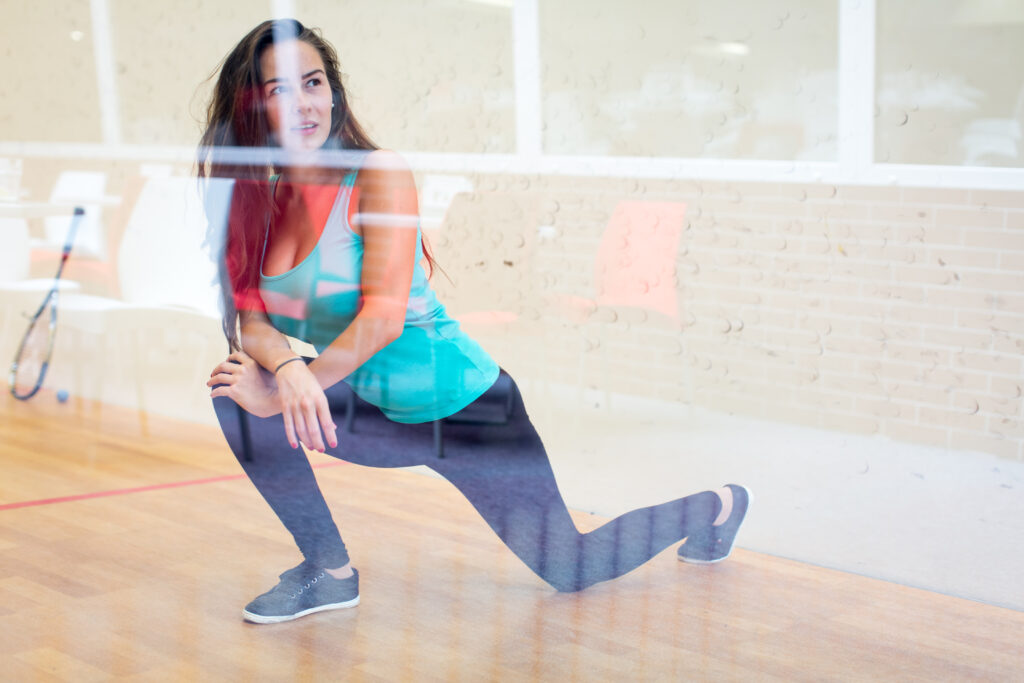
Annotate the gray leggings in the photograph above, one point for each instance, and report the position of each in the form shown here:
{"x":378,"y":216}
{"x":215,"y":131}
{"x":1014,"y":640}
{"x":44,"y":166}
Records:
{"x":502,"y":469}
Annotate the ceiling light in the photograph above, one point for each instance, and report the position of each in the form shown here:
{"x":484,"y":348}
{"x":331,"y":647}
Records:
{"x":740,"y":49}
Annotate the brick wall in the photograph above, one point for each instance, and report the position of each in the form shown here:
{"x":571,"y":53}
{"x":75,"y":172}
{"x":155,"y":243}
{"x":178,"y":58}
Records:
{"x":873,"y":310}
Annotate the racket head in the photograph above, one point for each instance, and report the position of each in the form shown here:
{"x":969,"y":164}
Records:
{"x":33,"y":357}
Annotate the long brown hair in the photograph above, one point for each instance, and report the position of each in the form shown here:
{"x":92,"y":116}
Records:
{"x":236,"y":117}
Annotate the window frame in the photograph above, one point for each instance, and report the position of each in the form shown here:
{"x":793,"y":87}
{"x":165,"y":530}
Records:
{"x":855,"y":164}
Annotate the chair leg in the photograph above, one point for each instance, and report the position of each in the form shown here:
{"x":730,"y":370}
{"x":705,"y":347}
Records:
{"x":438,"y":439}
{"x":243,"y":421}
{"x":510,"y":401}
{"x":350,"y":412}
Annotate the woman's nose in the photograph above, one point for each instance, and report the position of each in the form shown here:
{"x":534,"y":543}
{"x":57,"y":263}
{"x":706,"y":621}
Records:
{"x":301,"y":101}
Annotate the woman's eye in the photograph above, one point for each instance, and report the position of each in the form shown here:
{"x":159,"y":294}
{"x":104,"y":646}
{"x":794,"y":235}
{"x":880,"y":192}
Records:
{"x":313,"y":82}
{"x":276,"y":90}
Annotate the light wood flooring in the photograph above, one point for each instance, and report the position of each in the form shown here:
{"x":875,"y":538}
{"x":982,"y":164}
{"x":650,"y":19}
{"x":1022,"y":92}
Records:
{"x":129,"y":547}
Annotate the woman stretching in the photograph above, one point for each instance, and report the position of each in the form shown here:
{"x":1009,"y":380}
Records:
{"x":323,"y":244}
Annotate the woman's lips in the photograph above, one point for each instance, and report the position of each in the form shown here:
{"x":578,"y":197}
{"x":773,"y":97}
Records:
{"x":308,"y":128}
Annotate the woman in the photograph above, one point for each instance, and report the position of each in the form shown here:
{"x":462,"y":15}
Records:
{"x":333,"y":256}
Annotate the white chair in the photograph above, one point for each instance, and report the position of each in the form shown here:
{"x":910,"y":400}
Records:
{"x":166,"y":279}
{"x":93,"y":263}
{"x":13,"y":230}
{"x":14,"y":258}
{"x":87,"y":190}
{"x":163,"y":260}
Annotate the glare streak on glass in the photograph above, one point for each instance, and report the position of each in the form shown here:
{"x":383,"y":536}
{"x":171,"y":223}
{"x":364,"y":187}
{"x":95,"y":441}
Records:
{"x":856,"y":72}
{"x":690,"y":80}
{"x":103,"y":51}
{"x":529,"y":116}
{"x":949,"y":89}
{"x":282,"y":9}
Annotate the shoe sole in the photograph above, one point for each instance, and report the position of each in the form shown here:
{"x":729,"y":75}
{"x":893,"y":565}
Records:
{"x":750,"y":500}
{"x":261,"y":619}
{"x":688,"y":560}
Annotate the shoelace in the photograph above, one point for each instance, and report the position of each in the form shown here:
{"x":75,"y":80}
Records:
{"x":306,"y":586}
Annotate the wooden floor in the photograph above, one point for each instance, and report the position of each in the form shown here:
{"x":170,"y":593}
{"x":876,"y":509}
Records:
{"x":148,"y":582}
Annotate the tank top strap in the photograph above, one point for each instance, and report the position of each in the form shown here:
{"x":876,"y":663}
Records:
{"x":350,"y":178}
{"x":347,"y":186}
{"x":347,"y":193}
{"x":266,"y":228}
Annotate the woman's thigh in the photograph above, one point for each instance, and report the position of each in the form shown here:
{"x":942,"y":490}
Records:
{"x":374,"y":440}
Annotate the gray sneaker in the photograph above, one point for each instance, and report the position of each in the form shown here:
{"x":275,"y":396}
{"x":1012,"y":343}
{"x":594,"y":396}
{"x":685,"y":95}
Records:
{"x":714,"y":543}
{"x":303,"y":590}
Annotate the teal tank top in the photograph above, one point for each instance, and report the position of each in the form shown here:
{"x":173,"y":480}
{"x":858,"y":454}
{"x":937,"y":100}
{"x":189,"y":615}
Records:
{"x":431,"y":371}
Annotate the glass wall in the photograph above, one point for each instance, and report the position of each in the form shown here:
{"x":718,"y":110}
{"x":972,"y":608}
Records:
{"x":736,"y":80}
{"x":742,"y":80}
{"x":162,"y":72}
{"x":950,"y":82}
{"x":50,"y":85}
{"x":702,"y":277}
{"x":426,"y":76}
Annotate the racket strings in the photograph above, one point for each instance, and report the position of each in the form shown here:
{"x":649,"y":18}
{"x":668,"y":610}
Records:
{"x":29,"y":365}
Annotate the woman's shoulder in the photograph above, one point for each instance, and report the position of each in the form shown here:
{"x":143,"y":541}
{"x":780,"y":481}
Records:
{"x":383,"y":166}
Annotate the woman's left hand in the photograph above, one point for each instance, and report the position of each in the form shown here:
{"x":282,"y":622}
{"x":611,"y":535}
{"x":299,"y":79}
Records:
{"x":246,"y":383}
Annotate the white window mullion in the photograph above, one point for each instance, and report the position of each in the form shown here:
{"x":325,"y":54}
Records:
{"x":282,"y":9}
{"x":856,"y":89}
{"x":526,"y":53}
{"x":106,"y":82}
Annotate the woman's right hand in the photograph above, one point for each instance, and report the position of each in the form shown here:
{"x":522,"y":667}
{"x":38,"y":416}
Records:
{"x":304,"y":407}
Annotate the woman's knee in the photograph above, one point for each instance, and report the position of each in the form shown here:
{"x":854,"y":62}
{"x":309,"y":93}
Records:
{"x":248,"y":435}
{"x":234,"y":426}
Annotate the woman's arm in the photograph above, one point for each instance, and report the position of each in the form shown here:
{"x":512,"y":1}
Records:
{"x":387,"y":219}
{"x":247,"y":376}
{"x":261,"y":340}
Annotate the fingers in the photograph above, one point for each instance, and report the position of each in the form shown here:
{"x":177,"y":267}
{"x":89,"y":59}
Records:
{"x":309,"y":422}
{"x":323,"y":412}
{"x":299,"y":420}
{"x":232,"y":362}
{"x":313,"y":427}
{"x":306,"y":426}
{"x":289,"y":428}
{"x":221,"y":391}
{"x":302,"y":403}
{"x":222,"y":368}
{"x":303,"y":425}
{"x":220,"y":378}
{"x":313,"y":419}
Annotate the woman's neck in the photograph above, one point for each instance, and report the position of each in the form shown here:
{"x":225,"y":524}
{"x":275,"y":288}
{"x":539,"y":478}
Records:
{"x":310,"y":174}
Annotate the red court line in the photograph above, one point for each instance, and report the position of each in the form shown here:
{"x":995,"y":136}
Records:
{"x":138,"y":489}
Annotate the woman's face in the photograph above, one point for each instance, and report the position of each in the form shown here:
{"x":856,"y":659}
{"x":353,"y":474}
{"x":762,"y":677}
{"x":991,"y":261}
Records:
{"x":297,"y":95}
